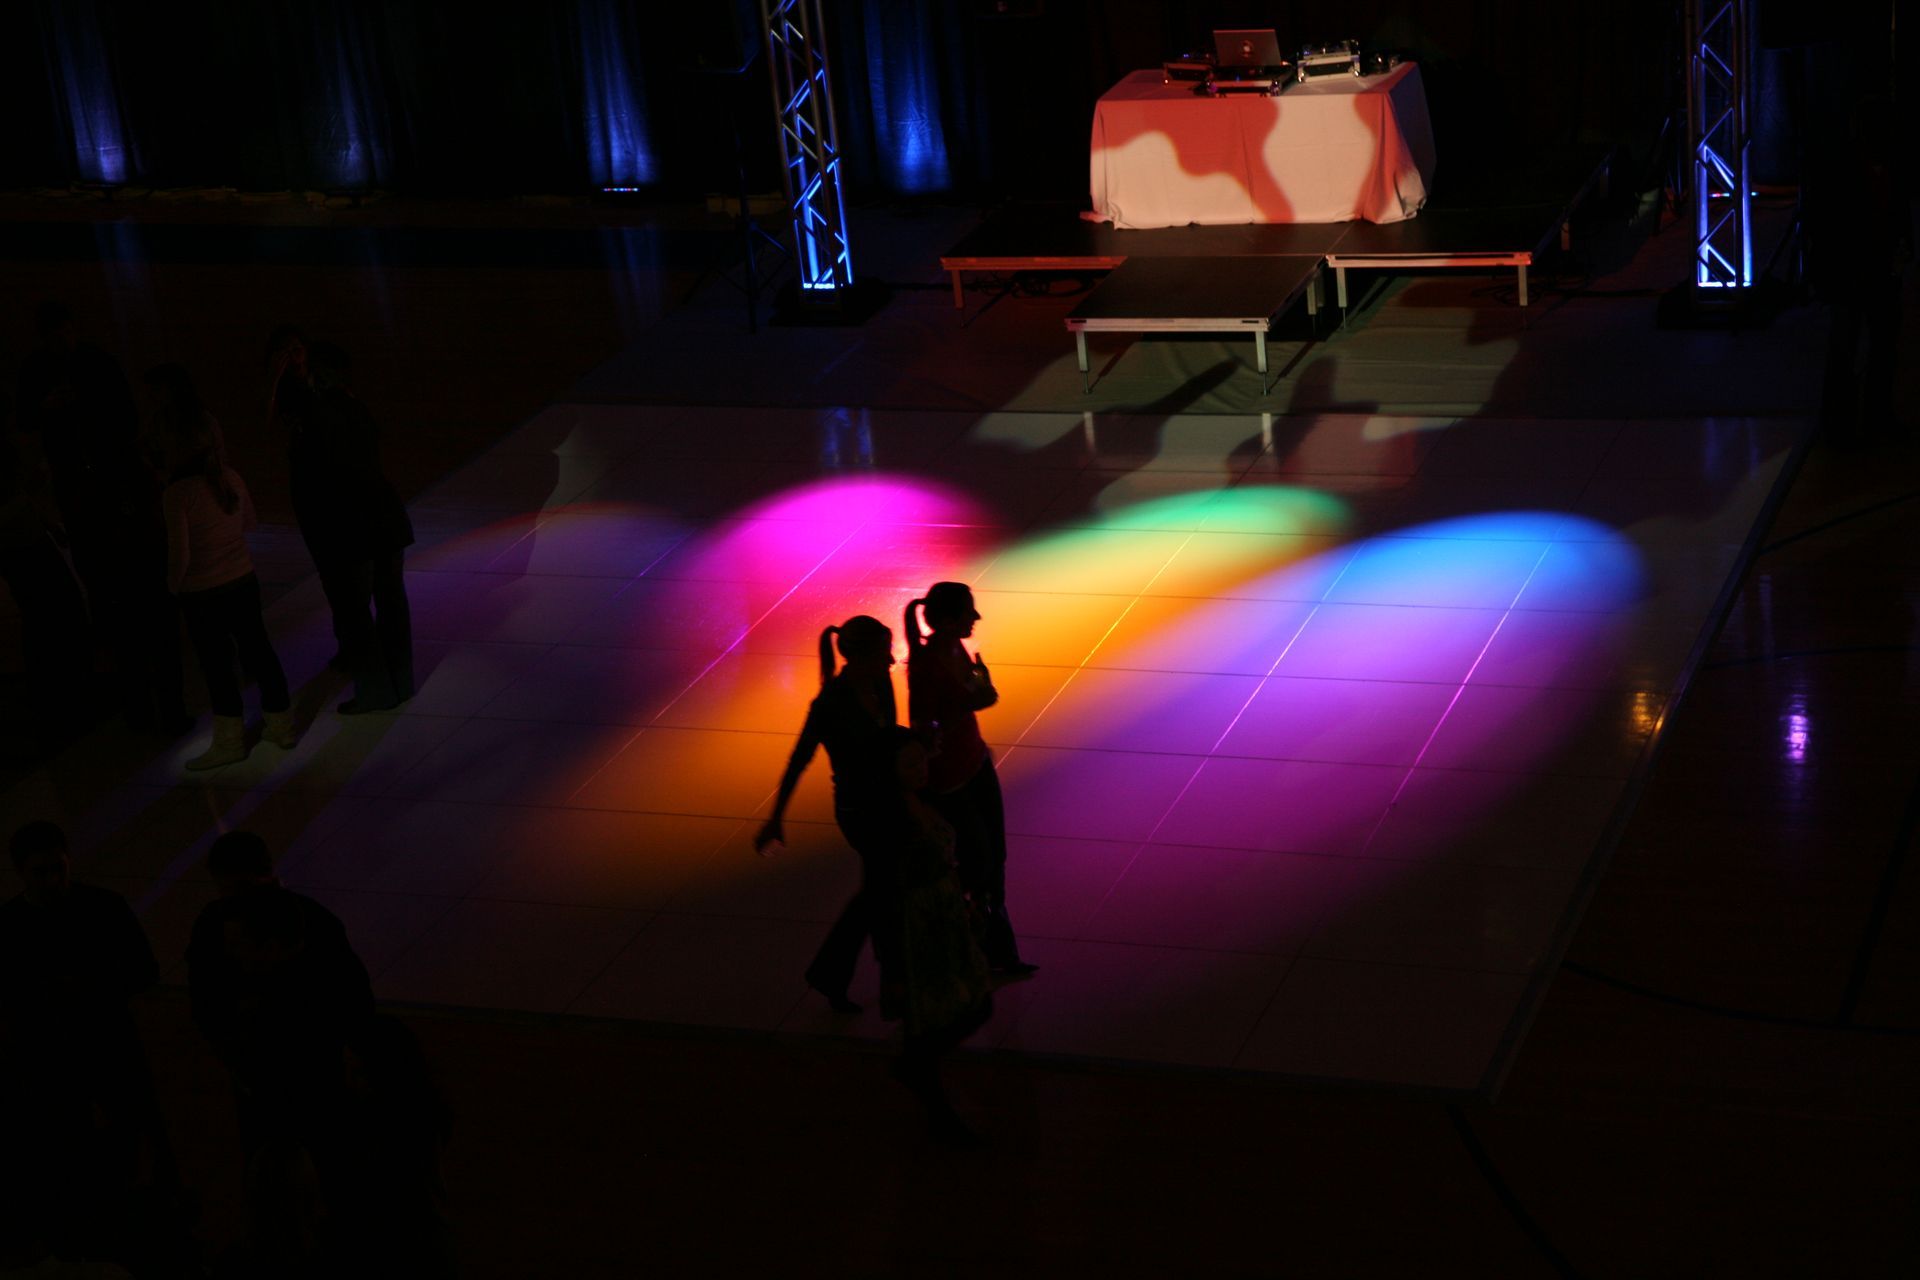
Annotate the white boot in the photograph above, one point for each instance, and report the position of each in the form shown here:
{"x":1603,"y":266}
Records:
{"x":229,"y":744}
{"x":280,"y":731}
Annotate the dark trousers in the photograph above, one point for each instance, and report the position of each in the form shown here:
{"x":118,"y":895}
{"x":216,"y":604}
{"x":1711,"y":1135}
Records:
{"x":226,"y":621}
{"x":373,"y":625}
{"x":872,"y":912}
{"x":978,"y":816}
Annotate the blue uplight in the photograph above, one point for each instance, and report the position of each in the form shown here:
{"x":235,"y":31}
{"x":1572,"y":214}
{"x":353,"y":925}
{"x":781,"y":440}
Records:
{"x":102,"y":149}
{"x":613,"y":116}
{"x":905,"y":98}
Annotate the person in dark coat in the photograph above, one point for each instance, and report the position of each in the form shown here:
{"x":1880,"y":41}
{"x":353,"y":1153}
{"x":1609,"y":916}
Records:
{"x":1860,"y":243}
{"x":55,"y":633}
{"x":75,"y":401}
{"x":240,"y":983}
{"x":280,"y":995}
{"x":351,"y":517}
{"x":72,"y":957}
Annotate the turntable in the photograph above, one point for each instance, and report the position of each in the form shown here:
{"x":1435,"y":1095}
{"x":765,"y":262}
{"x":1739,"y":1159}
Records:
{"x":1271,"y":83}
{"x":1340,"y":58}
{"x":1188,"y":66}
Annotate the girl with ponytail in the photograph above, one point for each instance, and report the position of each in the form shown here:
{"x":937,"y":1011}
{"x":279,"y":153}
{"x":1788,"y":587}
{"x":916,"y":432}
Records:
{"x":854,"y":718}
{"x":946,"y":685}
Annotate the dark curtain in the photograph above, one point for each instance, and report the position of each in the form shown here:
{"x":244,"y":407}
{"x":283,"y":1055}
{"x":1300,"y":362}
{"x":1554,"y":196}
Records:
{"x":978,"y":97}
{"x":900,"y":71}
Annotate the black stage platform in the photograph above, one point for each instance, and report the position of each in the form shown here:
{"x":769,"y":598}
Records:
{"x":1503,"y":219}
{"x":1198,"y":295}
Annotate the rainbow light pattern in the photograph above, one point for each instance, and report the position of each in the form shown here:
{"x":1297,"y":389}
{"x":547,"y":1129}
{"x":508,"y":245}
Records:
{"x":1202,"y":636}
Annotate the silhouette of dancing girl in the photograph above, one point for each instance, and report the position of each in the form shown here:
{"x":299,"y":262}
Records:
{"x":946,"y":685}
{"x":853,"y":717}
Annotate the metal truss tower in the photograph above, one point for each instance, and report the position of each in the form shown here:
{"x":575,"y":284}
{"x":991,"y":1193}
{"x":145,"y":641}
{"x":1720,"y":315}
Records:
{"x":1719,"y":133}
{"x":809,"y":147}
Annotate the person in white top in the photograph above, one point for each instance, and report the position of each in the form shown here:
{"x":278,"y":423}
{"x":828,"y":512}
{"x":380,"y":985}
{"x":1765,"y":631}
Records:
{"x":208,"y":513}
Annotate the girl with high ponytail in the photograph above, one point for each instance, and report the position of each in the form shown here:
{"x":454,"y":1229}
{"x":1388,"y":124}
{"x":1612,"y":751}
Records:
{"x":854,"y":718}
{"x":915,"y":641}
{"x":946,"y":686}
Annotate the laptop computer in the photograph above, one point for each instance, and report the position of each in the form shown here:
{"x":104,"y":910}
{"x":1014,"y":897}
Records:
{"x":1247,"y":52}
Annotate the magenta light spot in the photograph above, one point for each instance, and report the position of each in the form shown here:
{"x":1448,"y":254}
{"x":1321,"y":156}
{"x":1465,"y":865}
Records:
{"x":851,"y":501}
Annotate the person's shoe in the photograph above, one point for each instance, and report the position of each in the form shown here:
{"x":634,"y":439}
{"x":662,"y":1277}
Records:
{"x":280,"y":730}
{"x":229,"y":744}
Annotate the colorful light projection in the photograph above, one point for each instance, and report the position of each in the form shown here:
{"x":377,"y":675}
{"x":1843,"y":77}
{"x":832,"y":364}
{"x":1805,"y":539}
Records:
{"x":1384,"y":654}
{"x":1264,"y":679}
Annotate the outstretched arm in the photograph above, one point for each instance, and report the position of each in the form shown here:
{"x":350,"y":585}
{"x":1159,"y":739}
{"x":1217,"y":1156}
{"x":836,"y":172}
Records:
{"x":773,"y":832}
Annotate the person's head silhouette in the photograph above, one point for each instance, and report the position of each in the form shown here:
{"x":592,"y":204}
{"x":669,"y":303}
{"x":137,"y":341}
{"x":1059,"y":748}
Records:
{"x":948,"y":611}
{"x":39,"y":852}
{"x":865,"y":645}
{"x":240,"y":860}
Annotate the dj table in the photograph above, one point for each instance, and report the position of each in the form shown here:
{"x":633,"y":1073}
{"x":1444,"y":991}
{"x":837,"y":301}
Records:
{"x":1335,"y":149}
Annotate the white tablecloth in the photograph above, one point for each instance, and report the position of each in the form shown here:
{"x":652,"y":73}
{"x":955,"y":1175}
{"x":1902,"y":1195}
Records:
{"x":1335,"y":149}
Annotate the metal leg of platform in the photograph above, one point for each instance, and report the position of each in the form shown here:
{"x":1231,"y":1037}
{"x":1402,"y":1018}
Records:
{"x":1260,"y":353}
{"x":959,"y":293}
{"x":1080,"y":345}
{"x":1340,"y":286}
{"x":1523,"y":283}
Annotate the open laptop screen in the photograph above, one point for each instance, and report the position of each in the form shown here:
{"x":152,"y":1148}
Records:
{"x":1234,"y":50}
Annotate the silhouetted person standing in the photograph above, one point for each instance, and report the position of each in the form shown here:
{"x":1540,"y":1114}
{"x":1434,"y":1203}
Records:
{"x":1860,"y":244}
{"x":84,"y":1134}
{"x":54,"y":629}
{"x":853,"y":717}
{"x":946,"y":685}
{"x":75,"y":400}
{"x":280,"y":995}
{"x":208,"y":513}
{"x":236,"y":1000}
{"x":351,"y":517}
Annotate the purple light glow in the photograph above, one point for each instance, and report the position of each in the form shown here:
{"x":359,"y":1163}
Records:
{"x":1799,"y":728}
{"x":1386,"y":667}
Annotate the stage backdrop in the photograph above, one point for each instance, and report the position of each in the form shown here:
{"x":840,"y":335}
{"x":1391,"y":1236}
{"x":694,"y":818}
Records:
{"x":973,"y":97}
